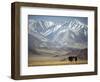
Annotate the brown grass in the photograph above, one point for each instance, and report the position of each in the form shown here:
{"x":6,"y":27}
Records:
{"x":47,"y":63}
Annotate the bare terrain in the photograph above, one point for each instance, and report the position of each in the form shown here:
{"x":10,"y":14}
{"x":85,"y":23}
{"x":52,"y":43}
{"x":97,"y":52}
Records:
{"x":53,"y":57}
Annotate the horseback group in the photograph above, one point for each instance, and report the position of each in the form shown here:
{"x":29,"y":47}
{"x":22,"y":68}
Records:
{"x":72,"y":58}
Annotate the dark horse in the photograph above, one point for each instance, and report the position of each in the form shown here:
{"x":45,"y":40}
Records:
{"x":72,"y":58}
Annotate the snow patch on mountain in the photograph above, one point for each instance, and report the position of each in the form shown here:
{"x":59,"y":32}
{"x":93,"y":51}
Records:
{"x":72,"y":33}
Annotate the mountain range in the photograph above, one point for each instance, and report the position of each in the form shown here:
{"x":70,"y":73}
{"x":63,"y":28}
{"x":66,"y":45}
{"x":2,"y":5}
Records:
{"x":48,"y":34}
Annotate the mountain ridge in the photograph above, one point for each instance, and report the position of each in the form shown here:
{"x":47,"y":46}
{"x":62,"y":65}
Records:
{"x":72,"y":34}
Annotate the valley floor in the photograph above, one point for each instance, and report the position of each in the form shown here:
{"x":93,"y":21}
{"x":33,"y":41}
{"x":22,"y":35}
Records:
{"x":52,"y":57}
{"x":48,"y":61}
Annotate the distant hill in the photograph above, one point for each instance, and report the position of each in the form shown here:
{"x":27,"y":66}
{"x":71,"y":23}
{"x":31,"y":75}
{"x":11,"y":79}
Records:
{"x":83,"y":54}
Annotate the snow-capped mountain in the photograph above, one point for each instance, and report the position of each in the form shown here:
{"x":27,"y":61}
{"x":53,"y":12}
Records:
{"x":72,"y":33}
